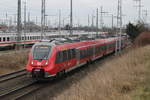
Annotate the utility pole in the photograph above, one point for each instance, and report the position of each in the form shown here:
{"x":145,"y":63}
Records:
{"x":25,"y":26}
{"x":101,"y":18}
{"x":6,"y":20}
{"x":29,"y":27}
{"x":18,"y":24}
{"x":112,"y":21}
{"x":92,"y":21}
{"x":15,"y":19}
{"x":28,"y":17}
{"x":71,"y":18}
{"x":49,"y":23}
{"x":88,"y":23}
{"x":97,"y":22}
{"x":10,"y":23}
{"x":140,"y":8}
{"x":59,"y":27}
{"x":43,"y":19}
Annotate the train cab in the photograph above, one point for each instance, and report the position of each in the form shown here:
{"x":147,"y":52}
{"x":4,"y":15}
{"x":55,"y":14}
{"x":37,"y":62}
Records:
{"x":40,"y":59}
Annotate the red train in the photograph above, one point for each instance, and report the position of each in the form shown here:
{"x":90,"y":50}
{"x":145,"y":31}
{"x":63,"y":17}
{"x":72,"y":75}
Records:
{"x":56,"y":57}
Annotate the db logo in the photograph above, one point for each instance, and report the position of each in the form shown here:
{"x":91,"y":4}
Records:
{"x":39,"y":64}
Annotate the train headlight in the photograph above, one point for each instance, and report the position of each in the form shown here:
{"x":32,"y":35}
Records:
{"x":46,"y":63}
{"x":32,"y":62}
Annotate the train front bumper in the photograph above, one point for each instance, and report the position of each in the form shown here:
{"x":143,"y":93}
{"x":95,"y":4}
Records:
{"x":40,"y":73}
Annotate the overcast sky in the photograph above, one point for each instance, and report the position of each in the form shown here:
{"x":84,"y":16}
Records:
{"x":81,"y":9}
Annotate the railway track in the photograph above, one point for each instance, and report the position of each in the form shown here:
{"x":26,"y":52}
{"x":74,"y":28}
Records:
{"x":11,"y":76}
{"x":15,"y":85}
{"x":19,"y":91}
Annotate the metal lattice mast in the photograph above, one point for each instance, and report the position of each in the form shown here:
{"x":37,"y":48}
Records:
{"x":139,"y":8}
{"x":101,"y":17}
{"x":28,"y":17}
{"x":97,"y":15}
{"x":119,"y":24}
{"x":145,"y":15}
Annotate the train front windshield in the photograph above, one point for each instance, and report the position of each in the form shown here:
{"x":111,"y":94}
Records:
{"x":41,"y":52}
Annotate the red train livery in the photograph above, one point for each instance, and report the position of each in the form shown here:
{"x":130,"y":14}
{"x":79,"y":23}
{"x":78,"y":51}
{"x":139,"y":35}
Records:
{"x":56,"y":57}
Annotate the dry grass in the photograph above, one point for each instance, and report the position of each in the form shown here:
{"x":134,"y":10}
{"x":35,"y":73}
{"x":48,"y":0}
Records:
{"x":143,"y":39}
{"x":115,"y":80}
{"x":13,"y":61}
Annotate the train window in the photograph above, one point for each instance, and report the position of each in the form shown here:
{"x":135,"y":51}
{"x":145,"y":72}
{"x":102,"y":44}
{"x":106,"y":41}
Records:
{"x":65,"y":55}
{"x":15,"y":38}
{"x":69,"y":54}
{"x":28,"y":38}
{"x":58,"y":58}
{"x":81,"y":54}
{"x":4,"y":39}
{"x":97,"y":50}
{"x":103,"y":47}
{"x":90,"y":51}
{"x":22,"y":38}
{"x":41,"y":52}
{"x":8,"y":39}
{"x":73,"y":53}
{"x":85,"y":53}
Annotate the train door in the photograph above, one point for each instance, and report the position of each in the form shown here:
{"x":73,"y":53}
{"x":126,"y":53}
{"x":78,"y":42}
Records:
{"x":78,"y":56}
